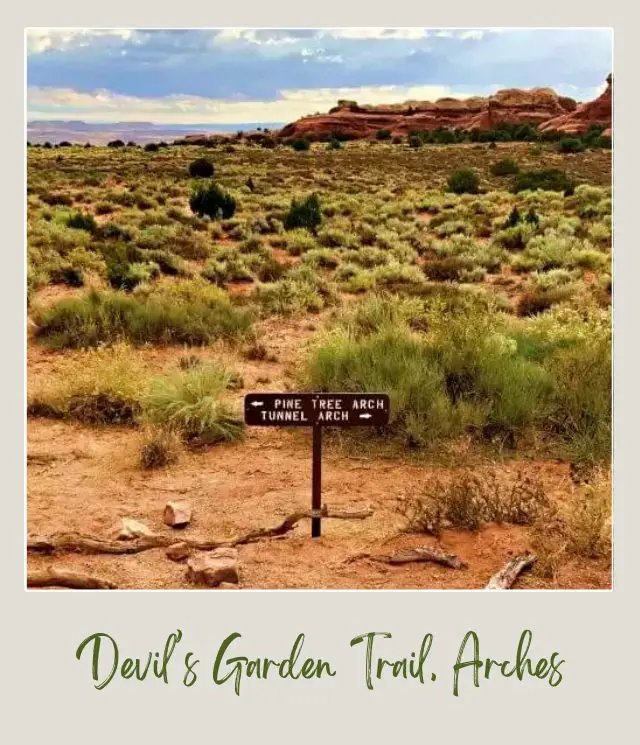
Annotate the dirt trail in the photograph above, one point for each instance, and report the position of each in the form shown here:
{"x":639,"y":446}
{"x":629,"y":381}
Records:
{"x":93,"y":480}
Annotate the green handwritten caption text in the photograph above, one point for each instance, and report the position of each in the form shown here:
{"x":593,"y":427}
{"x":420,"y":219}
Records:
{"x":228,"y":666}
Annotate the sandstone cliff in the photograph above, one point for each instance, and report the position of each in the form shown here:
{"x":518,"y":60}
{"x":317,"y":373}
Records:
{"x":540,"y":107}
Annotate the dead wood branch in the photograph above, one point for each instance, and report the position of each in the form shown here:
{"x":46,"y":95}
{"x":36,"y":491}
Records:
{"x":416,"y":555}
{"x":505,"y":578}
{"x":88,"y":544}
{"x":52,"y":577}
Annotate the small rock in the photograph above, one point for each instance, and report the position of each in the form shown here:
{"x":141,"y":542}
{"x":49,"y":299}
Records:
{"x":227,"y":586}
{"x":214,"y":567}
{"x":130,"y":529}
{"x":177,"y":514}
{"x":178,"y":551}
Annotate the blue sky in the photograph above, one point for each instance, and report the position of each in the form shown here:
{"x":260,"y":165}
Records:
{"x":258,"y":75}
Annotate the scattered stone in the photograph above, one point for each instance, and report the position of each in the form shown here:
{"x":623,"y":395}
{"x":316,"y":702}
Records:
{"x":214,"y":567}
{"x":177,"y":514}
{"x":178,"y":551}
{"x":227,"y":586}
{"x":130,"y":529}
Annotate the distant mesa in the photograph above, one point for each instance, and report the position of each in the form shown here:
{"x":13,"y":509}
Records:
{"x":539,"y":107}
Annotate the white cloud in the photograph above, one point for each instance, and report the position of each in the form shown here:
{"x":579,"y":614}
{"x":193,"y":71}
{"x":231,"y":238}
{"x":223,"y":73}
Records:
{"x":376,"y":33}
{"x":103,"y":105}
{"x":42,"y":39}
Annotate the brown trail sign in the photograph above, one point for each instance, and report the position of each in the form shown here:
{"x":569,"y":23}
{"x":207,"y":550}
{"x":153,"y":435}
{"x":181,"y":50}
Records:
{"x":316,"y":410}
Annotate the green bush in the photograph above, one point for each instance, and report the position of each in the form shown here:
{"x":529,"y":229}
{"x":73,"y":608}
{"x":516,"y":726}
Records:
{"x":447,"y":270}
{"x":454,"y":369}
{"x":151,"y":147}
{"x":383,"y":134}
{"x":82,"y":221}
{"x":506,"y":167}
{"x":300,"y":144}
{"x":213,"y":201}
{"x":464,"y":181}
{"x":189,"y":403}
{"x":541,"y":299}
{"x":306,"y":214}
{"x":185,"y":312}
{"x":570,"y":145}
{"x":301,"y":290}
{"x":126,"y":276}
{"x":201,"y":168}
{"x":551,"y":179}
{"x":54,"y":199}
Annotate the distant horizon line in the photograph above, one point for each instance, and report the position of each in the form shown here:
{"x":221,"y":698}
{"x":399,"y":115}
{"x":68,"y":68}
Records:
{"x":141,"y":123}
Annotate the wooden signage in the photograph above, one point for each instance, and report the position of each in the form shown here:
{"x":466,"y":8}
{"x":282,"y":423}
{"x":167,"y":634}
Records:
{"x":313,"y":409}
{"x":316,"y":410}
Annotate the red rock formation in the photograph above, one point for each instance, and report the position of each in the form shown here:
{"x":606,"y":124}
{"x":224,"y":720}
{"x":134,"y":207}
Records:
{"x":598,"y":111}
{"x":540,"y":107}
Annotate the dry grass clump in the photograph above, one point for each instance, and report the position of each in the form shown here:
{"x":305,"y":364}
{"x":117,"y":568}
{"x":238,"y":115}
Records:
{"x":190,"y":403}
{"x":470,"y":498}
{"x":97,"y":386}
{"x":159,"y":447}
{"x":579,"y":529}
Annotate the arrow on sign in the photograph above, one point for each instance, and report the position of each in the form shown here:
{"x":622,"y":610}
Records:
{"x":365,"y":416}
{"x":257,"y":403}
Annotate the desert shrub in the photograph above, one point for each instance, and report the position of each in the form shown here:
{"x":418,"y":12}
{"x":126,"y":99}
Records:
{"x":213,"y":201}
{"x":551,"y":179}
{"x":447,"y":270}
{"x":463,"y":375}
{"x":54,"y":199}
{"x":111,"y":231}
{"x":300,"y":144}
{"x":229,"y":267}
{"x":301,"y":290}
{"x":97,"y":387}
{"x":299,"y":242}
{"x":513,"y":219}
{"x":383,"y":134}
{"x":369,"y":257}
{"x":570,"y":145}
{"x":115,"y":143}
{"x":464,"y":181}
{"x":582,"y":398}
{"x":201,"y":168}
{"x":126,"y":276}
{"x":580,"y":528}
{"x":190,"y":403}
{"x":541,"y":299}
{"x":65,"y":274}
{"x":322,"y":257}
{"x":470,"y":498}
{"x":185,"y":312}
{"x":334,"y":144}
{"x":151,"y":147}
{"x":159,"y":447}
{"x":252,"y":244}
{"x":270,"y":270}
{"x":515,"y":237}
{"x":82,"y":221}
{"x":167,"y":262}
{"x":334,"y":238}
{"x":505,"y":167}
{"x":104,"y":208}
{"x":306,"y":214}
{"x":177,"y":239}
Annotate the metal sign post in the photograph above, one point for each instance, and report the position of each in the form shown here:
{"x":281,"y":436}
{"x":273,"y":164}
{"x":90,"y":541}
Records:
{"x":316,"y":410}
